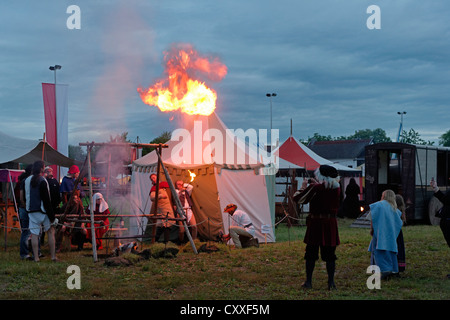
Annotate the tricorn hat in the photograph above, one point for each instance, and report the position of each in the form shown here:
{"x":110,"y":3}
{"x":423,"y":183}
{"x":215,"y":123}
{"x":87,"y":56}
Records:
{"x":328,"y":171}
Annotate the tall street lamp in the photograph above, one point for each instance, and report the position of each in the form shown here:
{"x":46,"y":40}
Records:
{"x":401,"y":125}
{"x":270,"y":95}
{"x":54,"y":68}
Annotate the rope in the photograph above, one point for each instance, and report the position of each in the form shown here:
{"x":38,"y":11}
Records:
{"x":148,"y":224}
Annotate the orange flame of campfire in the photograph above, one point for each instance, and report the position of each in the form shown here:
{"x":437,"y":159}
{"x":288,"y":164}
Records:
{"x":180,"y":91}
{"x":193,"y":175}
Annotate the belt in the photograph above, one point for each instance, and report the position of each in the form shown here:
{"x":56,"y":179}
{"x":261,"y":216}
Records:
{"x":248,"y":225}
{"x":317,"y":216}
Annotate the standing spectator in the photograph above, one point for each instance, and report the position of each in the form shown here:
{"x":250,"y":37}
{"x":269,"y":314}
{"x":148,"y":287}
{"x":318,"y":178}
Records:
{"x":54,"y":189}
{"x":323,"y":196}
{"x":164,"y":209}
{"x":351,"y":201}
{"x":23,"y":215}
{"x":55,"y":196}
{"x":444,"y":212}
{"x":184,"y":191}
{"x":68,"y":184}
{"x":385,"y":228}
{"x":401,"y":255}
{"x":40,"y":209}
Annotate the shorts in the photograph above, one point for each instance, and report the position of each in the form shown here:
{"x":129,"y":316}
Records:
{"x":36,"y":220}
{"x":327,"y":253}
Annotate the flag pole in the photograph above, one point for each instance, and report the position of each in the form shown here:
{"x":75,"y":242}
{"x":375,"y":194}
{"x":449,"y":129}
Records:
{"x":43,"y":147}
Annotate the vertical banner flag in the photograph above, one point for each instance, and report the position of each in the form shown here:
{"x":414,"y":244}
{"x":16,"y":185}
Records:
{"x":56,"y":120}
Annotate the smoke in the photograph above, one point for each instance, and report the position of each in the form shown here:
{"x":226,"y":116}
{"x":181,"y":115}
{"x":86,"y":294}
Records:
{"x":111,"y":162}
{"x":126,"y":42}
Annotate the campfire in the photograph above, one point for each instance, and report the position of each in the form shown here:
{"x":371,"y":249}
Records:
{"x":192,"y":175}
{"x":181,"y":89}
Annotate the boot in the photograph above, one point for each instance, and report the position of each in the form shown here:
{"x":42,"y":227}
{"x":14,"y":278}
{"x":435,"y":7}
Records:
{"x":331,"y":267}
{"x":166,"y":235}
{"x":310,"y":264}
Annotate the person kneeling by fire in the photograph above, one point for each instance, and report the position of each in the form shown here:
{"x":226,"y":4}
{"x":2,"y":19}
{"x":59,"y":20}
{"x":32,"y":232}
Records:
{"x":242,"y":230}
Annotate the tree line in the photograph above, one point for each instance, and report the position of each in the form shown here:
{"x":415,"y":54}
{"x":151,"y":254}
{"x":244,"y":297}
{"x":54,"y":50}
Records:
{"x":379,"y":135}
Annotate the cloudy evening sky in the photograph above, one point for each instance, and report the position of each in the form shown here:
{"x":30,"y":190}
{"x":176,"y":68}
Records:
{"x":332,"y":74}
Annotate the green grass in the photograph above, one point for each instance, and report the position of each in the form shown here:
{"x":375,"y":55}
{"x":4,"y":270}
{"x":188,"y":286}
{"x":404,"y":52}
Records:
{"x":273,"y":271}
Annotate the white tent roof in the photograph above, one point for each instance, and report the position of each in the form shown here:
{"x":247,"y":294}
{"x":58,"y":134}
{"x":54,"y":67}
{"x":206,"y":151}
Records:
{"x":204,"y":140}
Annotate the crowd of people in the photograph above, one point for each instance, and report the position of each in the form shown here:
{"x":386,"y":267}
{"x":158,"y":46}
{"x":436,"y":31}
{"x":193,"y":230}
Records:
{"x":42,"y":198}
{"x":387,"y":216}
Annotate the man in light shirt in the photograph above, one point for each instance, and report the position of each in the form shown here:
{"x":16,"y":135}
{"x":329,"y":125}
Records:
{"x":241,"y":225}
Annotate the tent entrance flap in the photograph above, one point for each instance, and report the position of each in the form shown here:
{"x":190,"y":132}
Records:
{"x":205,"y":200}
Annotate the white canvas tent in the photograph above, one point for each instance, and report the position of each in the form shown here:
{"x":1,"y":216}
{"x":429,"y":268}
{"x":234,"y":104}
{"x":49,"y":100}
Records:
{"x":227,"y":171}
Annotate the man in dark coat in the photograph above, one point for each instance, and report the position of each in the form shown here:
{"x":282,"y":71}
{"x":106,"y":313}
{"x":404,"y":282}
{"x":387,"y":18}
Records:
{"x":55,"y":196}
{"x":323,"y":195}
{"x":444,"y":213}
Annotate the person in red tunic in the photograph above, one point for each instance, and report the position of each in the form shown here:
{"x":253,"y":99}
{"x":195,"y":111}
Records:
{"x":323,"y":195}
{"x":101,"y":214}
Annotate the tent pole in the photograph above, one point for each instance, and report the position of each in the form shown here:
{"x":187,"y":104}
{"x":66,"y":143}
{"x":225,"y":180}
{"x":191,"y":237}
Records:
{"x":6,"y":218}
{"x":158,"y":168}
{"x":43,"y":147}
{"x":94,"y":242}
{"x":108,"y":184}
{"x":177,"y":203}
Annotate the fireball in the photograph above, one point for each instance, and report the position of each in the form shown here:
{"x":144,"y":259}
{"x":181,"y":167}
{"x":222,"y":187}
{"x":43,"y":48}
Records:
{"x":180,"y":90}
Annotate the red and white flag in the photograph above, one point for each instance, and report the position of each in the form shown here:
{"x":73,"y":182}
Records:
{"x":56,"y":120}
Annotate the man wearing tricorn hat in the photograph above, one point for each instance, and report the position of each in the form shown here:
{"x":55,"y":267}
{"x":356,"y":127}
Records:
{"x":322,"y":194}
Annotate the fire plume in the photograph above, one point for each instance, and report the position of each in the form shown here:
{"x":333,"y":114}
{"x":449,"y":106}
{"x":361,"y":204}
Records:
{"x":180,"y":90}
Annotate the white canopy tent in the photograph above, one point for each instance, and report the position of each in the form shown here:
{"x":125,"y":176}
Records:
{"x":227,"y":171}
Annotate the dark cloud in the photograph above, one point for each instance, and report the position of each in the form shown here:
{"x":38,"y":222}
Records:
{"x":332,"y":75}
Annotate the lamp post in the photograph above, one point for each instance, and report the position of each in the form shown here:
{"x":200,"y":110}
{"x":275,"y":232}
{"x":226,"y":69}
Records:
{"x":401,"y":125}
{"x":54,"y":68}
{"x":270,"y":95}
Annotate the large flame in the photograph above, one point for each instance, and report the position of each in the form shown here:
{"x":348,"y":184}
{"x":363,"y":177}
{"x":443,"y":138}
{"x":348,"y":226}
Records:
{"x":179,"y":90}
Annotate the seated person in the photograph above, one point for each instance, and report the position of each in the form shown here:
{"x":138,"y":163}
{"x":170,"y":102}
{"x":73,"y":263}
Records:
{"x":75,"y":230}
{"x":101,"y":213}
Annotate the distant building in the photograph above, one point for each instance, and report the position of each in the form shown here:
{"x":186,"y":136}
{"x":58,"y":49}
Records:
{"x":349,"y":153}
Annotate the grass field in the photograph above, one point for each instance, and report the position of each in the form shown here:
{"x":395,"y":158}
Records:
{"x":273,"y":271}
